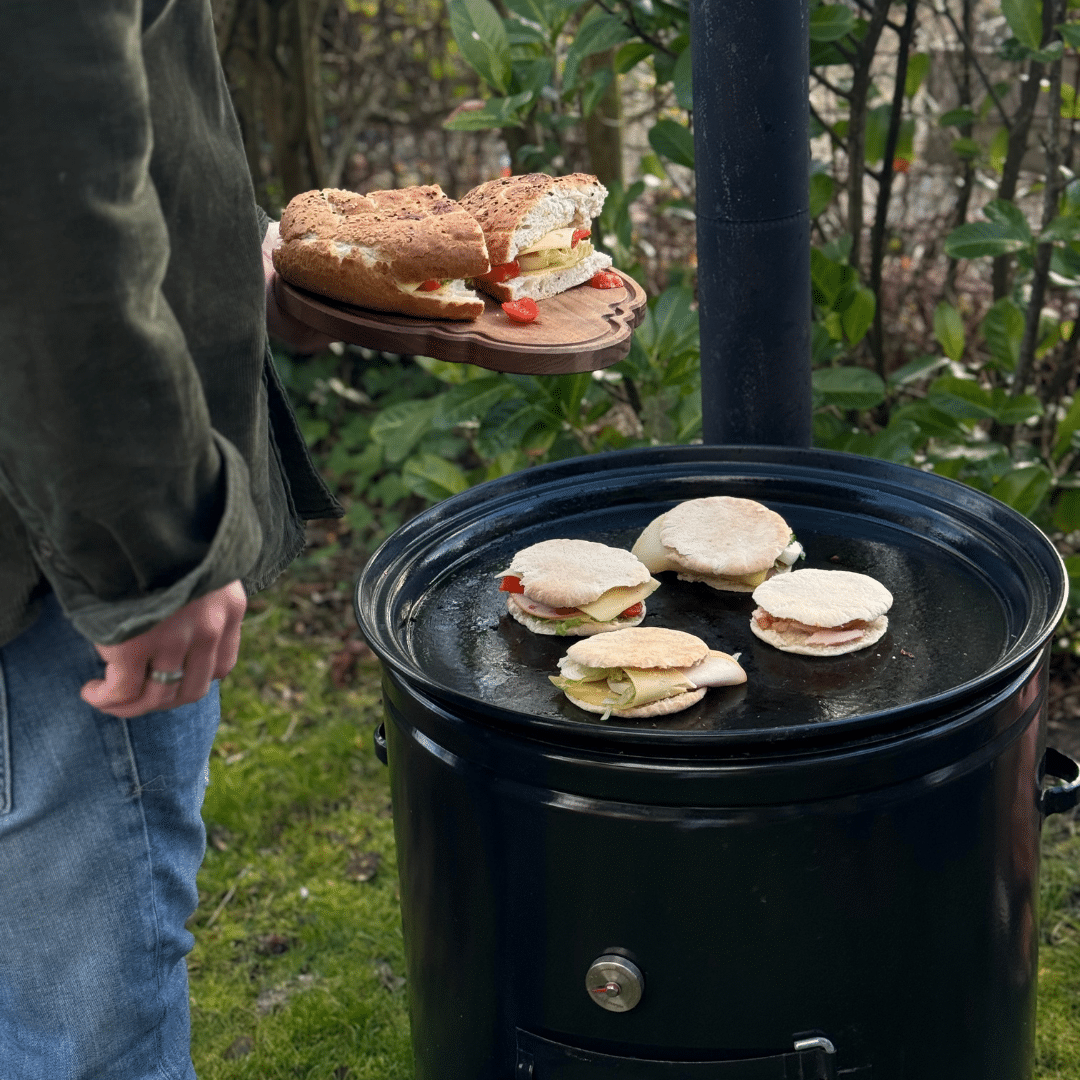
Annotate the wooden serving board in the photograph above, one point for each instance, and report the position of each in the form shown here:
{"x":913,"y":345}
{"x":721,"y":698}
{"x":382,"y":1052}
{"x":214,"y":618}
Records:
{"x":582,"y":329}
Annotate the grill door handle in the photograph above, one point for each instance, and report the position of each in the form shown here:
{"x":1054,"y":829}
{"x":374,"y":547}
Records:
{"x":543,"y":1059}
{"x":1055,"y":800}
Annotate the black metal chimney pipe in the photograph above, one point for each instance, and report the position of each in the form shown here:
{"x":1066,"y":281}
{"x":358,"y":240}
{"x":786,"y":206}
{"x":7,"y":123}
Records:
{"x":751,"y":126}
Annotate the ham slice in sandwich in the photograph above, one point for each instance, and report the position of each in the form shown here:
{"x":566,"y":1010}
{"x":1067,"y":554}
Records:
{"x":643,"y":671}
{"x":576,"y":588}
{"x":821,"y":612}
{"x":728,"y":543}
{"x":538,"y":232}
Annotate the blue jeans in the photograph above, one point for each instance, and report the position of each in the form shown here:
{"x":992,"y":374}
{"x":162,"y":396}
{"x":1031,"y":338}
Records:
{"x":100,"y":841}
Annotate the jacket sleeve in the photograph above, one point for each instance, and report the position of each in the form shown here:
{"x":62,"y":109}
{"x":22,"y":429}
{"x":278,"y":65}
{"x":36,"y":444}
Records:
{"x":133,"y":504}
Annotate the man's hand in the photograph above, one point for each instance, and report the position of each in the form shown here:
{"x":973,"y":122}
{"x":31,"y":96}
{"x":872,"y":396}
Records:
{"x":292,"y":332}
{"x":202,"y":639}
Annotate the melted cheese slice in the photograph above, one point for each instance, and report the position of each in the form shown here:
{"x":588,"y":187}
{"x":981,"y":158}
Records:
{"x":557,"y":238}
{"x":615,"y":601}
{"x":650,"y":550}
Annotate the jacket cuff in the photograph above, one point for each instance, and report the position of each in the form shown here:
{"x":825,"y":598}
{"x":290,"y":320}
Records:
{"x":233,"y":551}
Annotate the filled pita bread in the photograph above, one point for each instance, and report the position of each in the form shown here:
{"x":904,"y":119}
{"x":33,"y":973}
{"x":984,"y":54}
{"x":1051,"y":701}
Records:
{"x":643,"y":671}
{"x":532,"y":219}
{"x":384,"y":250}
{"x":576,"y":588}
{"x":821,"y":612}
{"x":730,"y":544}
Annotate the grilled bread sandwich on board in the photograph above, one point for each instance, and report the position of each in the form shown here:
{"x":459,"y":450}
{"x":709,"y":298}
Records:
{"x":643,"y":671}
{"x":408,"y":251}
{"x":576,"y":587}
{"x":538,"y":229}
{"x":728,"y":543}
{"x":821,"y":612}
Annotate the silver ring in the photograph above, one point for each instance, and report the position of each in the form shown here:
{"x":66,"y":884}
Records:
{"x":167,"y":676}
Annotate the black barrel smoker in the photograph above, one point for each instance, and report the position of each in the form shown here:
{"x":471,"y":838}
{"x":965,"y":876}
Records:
{"x":829,"y":872}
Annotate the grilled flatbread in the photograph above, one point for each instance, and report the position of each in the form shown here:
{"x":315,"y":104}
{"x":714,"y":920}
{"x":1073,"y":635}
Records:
{"x":643,"y":671}
{"x":379,"y":250}
{"x":728,"y":543}
{"x":532,"y":219}
{"x":821,"y":612}
{"x":576,"y":588}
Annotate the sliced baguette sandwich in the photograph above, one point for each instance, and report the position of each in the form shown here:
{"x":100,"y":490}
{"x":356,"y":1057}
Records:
{"x":576,"y":588}
{"x":408,"y":251}
{"x":821,"y":612}
{"x":537,"y":229}
{"x":728,"y":543}
{"x":643,"y":671}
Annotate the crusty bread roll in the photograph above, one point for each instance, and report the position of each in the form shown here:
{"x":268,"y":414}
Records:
{"x":374,"y":250}
{"x":516,"y":212}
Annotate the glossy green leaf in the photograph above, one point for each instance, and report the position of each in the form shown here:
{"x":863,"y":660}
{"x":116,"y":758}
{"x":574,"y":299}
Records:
{"x":1003,"y":328}
{"x":915,"y":370}
{"x":595,"y":35}
{"x":471,"y":401}
{"x":822,"y":187}
{"x":949,"y":331}
{"x":673,"y":141}
{"x":630,"y":55}
{"x":999,"y":149}
{"x":1024,"y":488}
{"x":831,"y":22}
{"x":849,"y":387}
{"x":957,"y":118}
{"x":982,"y":238}
{"x":858,"y":316}
{"x":967,"y":149}
{"x":682,"y":80}
{"x":1070,"y":33}
{"x":829,"y":278}
{"x":1009,"y":410}
{"x":1067,"y":515}
{"x":432,"y":477}
{"x":496,"y":113}
{"x":1063,"y":229}
{"x":1025,"y":20}
{"x":1067,"y":427}
{"x":918,"y":67}
{"x":963,"y":399}
{"x":481,"y":36}
{"x":933,"y":422}
{"x":1009,"y":216}
{"x":876,"y":132}
{"x":400,"y":427}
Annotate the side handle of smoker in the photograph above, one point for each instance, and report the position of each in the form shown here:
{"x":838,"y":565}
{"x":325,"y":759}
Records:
{"x":380,"y":743}
{"x":1055,"y":800}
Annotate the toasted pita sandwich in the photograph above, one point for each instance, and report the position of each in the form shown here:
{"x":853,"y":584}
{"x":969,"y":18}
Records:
{"x":408,"y":251}
{"x":728,"y":543}
{"x":821,"y":612}
{"x":537,"y":229}
{"x":576,"y":587}
{"x":643,"y":671}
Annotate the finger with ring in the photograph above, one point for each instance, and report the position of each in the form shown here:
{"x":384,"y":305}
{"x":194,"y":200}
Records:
{"x":167,"y":676}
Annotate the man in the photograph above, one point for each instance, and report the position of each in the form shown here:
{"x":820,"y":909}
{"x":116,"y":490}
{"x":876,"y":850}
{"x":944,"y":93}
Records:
{"x":151,"y":476}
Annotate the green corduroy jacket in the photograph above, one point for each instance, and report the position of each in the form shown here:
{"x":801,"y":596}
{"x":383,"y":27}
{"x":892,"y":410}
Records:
{"x":148,"y":453}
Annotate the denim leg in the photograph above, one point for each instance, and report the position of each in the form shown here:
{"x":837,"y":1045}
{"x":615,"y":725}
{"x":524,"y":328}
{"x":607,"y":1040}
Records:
{"x":100,"y":840}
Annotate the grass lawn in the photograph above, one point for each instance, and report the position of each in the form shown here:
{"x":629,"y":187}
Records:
{"x":298,"y":966}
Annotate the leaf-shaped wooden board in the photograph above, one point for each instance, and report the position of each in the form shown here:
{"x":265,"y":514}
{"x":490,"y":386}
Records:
{"x":582,"y":329}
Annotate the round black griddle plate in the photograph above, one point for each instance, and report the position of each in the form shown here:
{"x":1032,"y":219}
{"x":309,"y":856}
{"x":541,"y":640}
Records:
{"x":976,"y":590}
